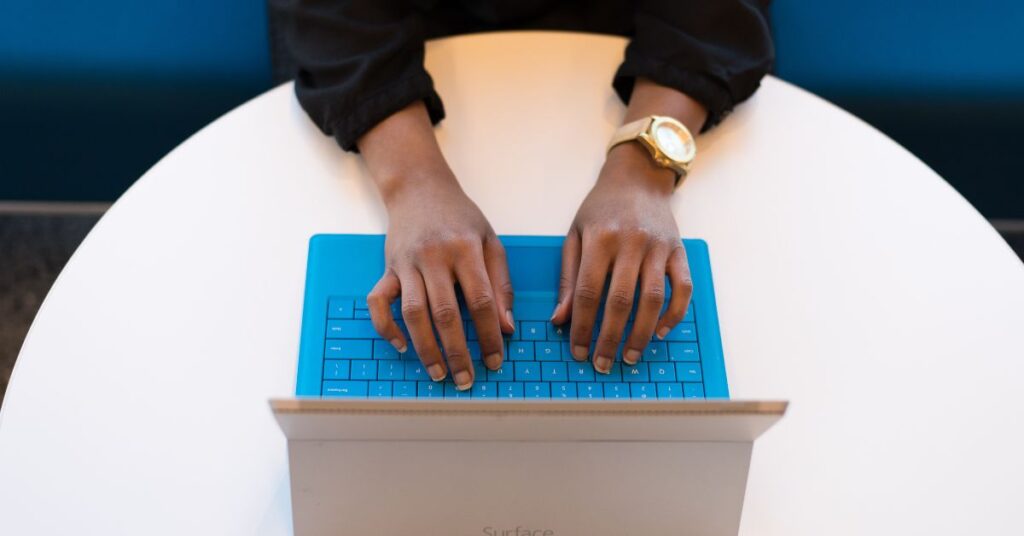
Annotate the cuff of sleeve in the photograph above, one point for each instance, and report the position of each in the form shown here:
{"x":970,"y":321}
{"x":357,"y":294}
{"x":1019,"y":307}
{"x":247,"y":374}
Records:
{"x":713,"y":95}
{"x":373,"y":109}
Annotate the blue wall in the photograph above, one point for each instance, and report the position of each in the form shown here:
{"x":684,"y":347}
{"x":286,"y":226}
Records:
{"x":920,"y":46}
{"x":92,"y":93}
{"x":168,"y":38}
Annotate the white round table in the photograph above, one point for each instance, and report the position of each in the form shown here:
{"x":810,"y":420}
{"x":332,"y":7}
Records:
{"x":851,"y":280}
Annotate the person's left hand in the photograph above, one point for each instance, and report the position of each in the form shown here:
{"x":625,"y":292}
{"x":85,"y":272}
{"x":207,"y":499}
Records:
{"x":625,"y":228}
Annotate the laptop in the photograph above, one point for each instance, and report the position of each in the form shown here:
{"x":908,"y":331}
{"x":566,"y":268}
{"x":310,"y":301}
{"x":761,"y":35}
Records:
{"x":542,"y":446}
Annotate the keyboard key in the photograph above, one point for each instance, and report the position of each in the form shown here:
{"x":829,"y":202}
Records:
{"x":670,"y":390}
{"x":532,"y":309}
{"x":483,"y":390}
{"x":361,"y":303}
{"x":547,"y":351}
{"x":655,"y":351}
{"x":554,"y":371}
{"x":533,"y":331}
{"x":403,"y":389}
{"x":415,"y":371}
{"x":616,"y":390}
{"x":527,"y":371}
{"x":558,"y":333}
{"x":390,"y":370}
{"x":474,"y":350}
{"x":429,"y":390}
{"x":350,"y":329}
{"x":662,"y":372}
{"x":451,"y":392}
{"x":479,"y":371}
{"x":614,"y":374}
{"x":410,"y":351}
{"x":635,"y":373}
{"x":642,"y":391}
{"x":563,"y":390}
{"x":520,"y":350}
{"x":690,"y":313}
{"x":339,"y":308}
{"x":683,"y":351}
{"x":471,"y":332}
{"x":384,"y":350}
{"x":688,"y":372}
{"x":335,"y":370}
{"x":348,"y":349}
{"x":581,"y":371}
{"x":590,"y":390}
{"x":363,"y":369}
{"x":361,"y":314}
{"x":684,"y":331}
{"x":537,"y":390}
{"x":693,"y":390}
{"x":503,"y":374}
{"x":380,"y":389}
{"x":345,"y":389}
{"x":510,"y":390}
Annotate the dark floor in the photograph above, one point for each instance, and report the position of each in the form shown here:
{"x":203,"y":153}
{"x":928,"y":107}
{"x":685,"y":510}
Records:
{"x":34,"y":248}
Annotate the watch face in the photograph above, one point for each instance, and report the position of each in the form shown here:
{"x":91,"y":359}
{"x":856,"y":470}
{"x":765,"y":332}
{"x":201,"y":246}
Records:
{"x":674,"y":141}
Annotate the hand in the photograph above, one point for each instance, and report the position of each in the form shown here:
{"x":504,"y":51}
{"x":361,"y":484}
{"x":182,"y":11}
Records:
{"x":624,"y":227}
{"x":437,"y":238}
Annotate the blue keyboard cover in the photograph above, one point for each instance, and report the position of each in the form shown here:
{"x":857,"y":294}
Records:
{"x":357,"y":363}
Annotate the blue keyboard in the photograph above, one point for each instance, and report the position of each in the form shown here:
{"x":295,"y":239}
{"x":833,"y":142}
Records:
{"x":358,"y":363}
{"x":343,"y":356}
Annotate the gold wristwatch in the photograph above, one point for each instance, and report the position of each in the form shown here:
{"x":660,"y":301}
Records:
{"x":670,"y":143}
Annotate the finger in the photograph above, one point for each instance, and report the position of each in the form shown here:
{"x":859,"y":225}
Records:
{"x":416,"y":312}
{"x":617,"y":306}
{"x":379,"y":301}
{"x":648,"y":307}
{"x":586,"y":295}
{"x":482,"y":307}
{"x":567,"y":282}
{"x":501,"y":282}
{"x":678,"y":271}
{"x":444,"y":309}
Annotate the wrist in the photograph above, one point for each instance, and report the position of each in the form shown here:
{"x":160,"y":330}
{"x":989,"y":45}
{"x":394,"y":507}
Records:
{"x":630,"y":164}
{"x":416,"y":185}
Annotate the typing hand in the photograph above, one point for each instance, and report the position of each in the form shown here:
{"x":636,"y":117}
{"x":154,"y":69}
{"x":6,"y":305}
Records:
{"x":437,"y":238}
{"x":624,"y":228}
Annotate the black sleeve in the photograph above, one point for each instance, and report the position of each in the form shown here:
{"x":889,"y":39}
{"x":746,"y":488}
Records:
{"x":358,"y":61}
{"x":715,"y":51}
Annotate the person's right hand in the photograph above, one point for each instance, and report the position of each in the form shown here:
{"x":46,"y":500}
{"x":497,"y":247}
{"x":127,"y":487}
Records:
{"x":437,"y":238}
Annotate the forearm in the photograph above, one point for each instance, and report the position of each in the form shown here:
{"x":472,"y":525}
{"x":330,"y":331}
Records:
{"x":401,"y":153}
{"x":650,"y":98}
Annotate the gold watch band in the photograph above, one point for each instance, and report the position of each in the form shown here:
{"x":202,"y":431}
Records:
{"x":630,"y":131}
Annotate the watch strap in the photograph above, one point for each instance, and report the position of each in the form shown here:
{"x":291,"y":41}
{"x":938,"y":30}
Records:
{"x":630,"y":131}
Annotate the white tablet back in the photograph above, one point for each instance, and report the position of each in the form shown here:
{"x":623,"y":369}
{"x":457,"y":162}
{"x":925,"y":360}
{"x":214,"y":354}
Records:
{"x":425,"y":467}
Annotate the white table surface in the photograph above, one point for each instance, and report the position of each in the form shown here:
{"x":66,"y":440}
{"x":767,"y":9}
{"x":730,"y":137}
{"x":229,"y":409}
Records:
{"x":851,"y":280}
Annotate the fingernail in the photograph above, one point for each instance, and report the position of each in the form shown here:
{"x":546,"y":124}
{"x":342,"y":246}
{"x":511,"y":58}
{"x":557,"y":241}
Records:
{"x":579,"y":352}
{"x":463,"y":380}
{"x":436,"y":372}
{"x":602,"y":364}
{"x":398,"y":345}
{"x":555,"y":311}
{"x":631,"y":356}
{"x":511,"y":321}
{"x":493,"y":361}
{"x":662,"y":332}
